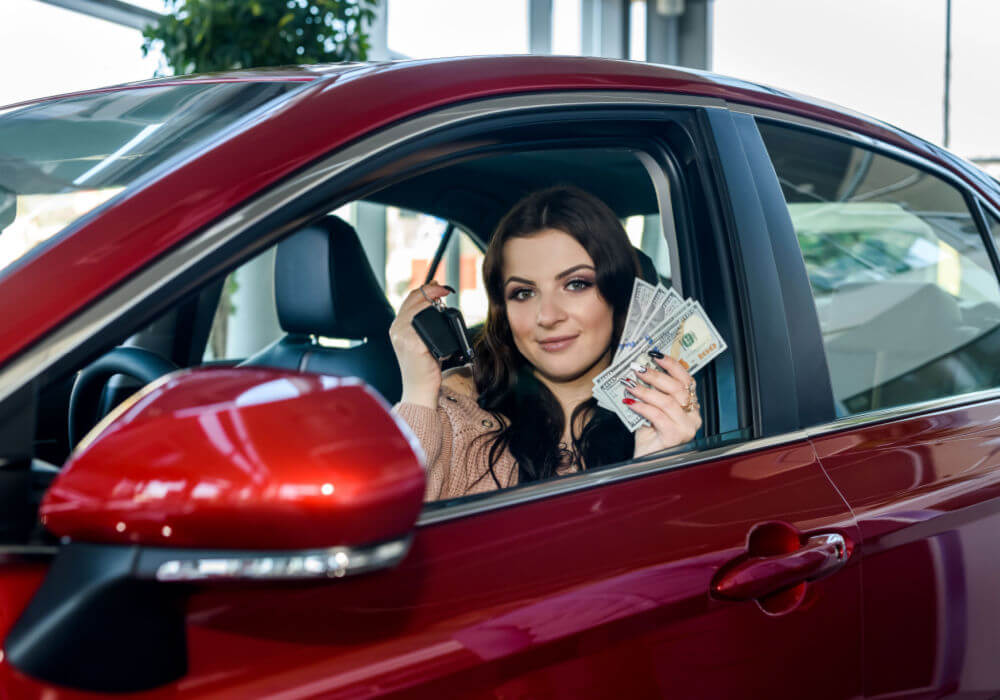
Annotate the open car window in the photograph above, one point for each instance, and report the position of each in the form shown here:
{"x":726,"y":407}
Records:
{"x":399,"y":229}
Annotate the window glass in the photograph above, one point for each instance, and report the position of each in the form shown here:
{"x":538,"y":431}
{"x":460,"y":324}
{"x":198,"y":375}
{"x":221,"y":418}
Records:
{"x":412,"y":240}
{"x":64,"y":157}
{"x":646,"y":234}
{"x":908,"y":302}
{"x":994,"y":225}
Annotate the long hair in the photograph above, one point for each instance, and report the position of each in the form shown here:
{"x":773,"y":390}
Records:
{"x":531,"y":421}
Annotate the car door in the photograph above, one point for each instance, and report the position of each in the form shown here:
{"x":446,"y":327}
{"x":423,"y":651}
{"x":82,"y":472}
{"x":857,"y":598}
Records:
{"x":902,"y":274}
{"x":729,"y":569}
{"x":662,"y":576}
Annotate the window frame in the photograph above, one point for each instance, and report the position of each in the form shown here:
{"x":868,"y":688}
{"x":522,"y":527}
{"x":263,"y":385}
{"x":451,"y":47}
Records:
{"x":347,"y":175}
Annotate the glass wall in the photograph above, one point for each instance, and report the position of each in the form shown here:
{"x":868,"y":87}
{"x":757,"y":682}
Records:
{"x":47,"y":50}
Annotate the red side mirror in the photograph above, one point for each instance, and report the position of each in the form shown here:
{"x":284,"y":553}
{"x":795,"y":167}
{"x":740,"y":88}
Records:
{"x":245,"y":459}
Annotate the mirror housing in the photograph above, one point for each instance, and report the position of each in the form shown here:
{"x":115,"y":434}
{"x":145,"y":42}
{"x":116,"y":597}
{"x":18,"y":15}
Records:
{"x":210,"y":474}
{"x":242,"y":458}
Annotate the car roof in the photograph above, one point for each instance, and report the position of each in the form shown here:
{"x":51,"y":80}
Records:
{"x":336,"y":105}
{"x":505,"y":73}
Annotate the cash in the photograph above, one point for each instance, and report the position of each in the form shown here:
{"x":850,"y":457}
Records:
{"x":666,"y":323}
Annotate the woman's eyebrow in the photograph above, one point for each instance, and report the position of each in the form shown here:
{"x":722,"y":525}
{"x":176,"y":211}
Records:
{"x":517,"y":279}
{"x":573,"y":269}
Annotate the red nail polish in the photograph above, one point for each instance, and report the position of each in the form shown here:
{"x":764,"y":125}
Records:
{"x":627,"y":401}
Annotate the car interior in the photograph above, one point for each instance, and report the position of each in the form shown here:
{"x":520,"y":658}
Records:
{"x":333,"y":313}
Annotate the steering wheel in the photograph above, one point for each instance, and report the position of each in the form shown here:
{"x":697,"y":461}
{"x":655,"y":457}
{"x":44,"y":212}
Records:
{"x":84,"y":400}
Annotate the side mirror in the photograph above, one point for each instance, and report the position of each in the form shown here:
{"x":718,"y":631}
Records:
{"x":210,"y":474}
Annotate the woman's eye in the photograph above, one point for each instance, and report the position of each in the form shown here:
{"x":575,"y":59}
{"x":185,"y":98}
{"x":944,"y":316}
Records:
{"x":578,"y":284}
{"x":519,"y":294}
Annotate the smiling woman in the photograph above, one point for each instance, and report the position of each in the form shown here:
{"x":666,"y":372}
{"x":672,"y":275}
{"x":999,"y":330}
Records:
{"x":558,"y":273}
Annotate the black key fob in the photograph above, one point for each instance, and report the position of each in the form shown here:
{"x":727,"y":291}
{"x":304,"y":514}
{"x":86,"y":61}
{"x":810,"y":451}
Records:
{"x":443,"y":331}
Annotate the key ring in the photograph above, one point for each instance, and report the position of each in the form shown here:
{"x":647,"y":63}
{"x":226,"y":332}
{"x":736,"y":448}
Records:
{"x":436,"y":303}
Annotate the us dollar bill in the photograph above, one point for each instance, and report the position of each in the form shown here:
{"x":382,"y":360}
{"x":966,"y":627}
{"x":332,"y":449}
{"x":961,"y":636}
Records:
{"x":642,"y":296}
{"x":687,"y":335}
{"x":665,"y":304}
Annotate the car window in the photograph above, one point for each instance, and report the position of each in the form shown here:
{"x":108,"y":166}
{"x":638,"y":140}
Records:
{"x":400,"y":245}
{"x":62,"y":158}
{"x":994,"y":225}
{"x":907,"y":299}
{"x":646,"y":234}
{"x":412,"y":240}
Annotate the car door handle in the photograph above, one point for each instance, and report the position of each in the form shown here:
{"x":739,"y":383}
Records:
{"x":758,"y":577}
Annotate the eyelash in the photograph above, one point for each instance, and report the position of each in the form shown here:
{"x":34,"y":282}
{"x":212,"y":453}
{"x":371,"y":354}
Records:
{"x":515,"y":294}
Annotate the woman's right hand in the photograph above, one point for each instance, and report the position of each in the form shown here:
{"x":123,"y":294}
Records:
{"x":420,"y":369}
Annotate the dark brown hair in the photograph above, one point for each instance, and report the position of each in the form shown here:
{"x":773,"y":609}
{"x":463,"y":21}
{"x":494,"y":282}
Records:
{"x":530,"y":418}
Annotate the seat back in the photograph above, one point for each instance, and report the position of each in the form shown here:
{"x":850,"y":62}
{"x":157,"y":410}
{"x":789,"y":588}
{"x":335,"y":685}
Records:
{"x":324,"y":288}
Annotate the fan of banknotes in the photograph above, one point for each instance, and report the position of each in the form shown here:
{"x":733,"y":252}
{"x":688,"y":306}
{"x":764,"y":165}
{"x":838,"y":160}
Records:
{"x":658,"y":319}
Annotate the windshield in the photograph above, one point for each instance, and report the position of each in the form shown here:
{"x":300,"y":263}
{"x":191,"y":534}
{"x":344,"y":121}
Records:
{"x":62,"y":158}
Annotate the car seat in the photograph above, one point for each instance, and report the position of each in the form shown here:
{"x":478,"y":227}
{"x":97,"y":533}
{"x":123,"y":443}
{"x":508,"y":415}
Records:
{"x":325,"y":289}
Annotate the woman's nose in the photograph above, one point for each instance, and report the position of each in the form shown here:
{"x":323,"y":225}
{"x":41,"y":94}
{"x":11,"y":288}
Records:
{"x":550,"y":311}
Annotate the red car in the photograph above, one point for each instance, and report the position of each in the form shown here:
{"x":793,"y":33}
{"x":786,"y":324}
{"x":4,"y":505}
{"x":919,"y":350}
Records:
{"x":250,"y":522}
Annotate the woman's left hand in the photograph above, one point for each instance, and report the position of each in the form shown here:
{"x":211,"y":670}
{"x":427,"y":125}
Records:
{"x":669,"y":404}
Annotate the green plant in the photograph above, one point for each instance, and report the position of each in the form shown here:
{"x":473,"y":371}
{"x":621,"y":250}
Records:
{"x":200,"y":36}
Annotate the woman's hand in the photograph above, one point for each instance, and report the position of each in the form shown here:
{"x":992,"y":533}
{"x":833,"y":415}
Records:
{"x":669,"y":404}
{"x":420,"y":369}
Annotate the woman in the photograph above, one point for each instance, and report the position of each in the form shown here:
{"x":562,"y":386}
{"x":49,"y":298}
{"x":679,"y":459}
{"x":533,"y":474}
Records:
{"x":558,"y":273}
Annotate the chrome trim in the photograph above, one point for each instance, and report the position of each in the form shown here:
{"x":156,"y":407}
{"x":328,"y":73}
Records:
{"x":335,"y":562}
{"x":586,"y":480}
{"x":148,"y":282}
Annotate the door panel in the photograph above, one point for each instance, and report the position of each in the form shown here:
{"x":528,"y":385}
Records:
{"x":926,"y":492}
{"x":595,"y":593}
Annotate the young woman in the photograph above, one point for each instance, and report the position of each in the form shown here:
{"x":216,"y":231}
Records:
{"x":558,"y":272}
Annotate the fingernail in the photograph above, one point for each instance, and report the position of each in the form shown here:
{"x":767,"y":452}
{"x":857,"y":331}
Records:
{"x":627,"y":401}
{"x":641,"y":369}
{"x":448,"y":288}
{"x":655,"y":353}
{"x":627,"y":382}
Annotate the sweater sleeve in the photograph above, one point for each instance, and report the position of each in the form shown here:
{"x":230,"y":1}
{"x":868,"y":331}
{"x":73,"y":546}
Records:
{"x":434,"y":431}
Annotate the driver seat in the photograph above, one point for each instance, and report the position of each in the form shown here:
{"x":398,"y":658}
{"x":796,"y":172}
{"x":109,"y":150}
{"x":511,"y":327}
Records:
{"x":325,"y":289}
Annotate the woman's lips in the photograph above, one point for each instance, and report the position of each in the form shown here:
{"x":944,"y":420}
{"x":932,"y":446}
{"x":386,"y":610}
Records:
{"x":557,"y":344}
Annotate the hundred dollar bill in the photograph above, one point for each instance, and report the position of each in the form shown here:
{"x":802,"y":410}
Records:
{"x":609,"y":387}
{"x":642,"y":294}
{"x":687,"y":336}
{"x":665,"y":304}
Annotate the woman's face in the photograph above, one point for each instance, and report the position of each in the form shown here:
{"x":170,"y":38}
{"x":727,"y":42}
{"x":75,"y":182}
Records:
{"x":560,"y":322}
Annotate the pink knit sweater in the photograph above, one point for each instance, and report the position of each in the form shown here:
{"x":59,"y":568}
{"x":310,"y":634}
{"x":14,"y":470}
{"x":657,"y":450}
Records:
{"x":457,"y":455}
{"x":457,"y":463}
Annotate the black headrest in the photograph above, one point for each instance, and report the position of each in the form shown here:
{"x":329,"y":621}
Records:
{"x":647,"y":267}
{"x":323,"y":284}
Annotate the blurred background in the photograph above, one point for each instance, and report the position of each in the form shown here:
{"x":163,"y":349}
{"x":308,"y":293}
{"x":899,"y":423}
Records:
{"x":926,"y":66}
{"x":886,"y":58}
